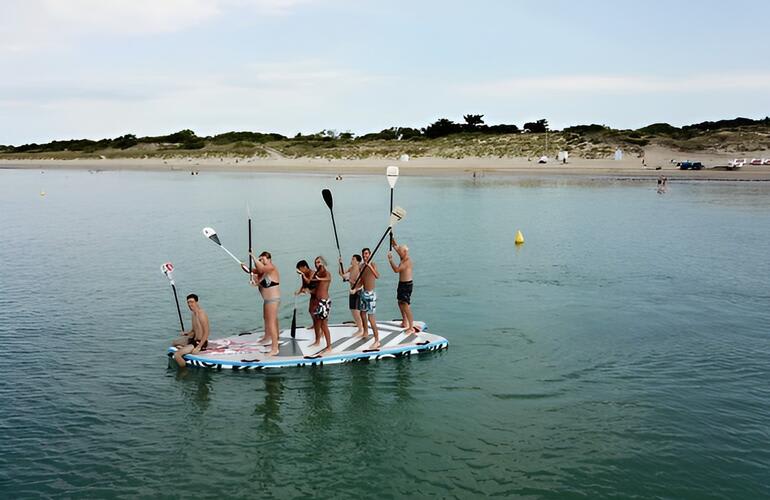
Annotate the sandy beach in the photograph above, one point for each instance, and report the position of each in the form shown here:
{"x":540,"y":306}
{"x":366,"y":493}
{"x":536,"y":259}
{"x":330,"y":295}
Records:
{"x":657,"y":162}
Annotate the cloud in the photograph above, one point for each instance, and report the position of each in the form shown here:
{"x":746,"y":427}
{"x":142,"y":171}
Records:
{"x":616,"y":84}
{"x":33,"y":25}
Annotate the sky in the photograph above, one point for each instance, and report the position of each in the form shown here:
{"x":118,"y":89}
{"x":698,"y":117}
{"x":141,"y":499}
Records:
{"x":97,"y":68}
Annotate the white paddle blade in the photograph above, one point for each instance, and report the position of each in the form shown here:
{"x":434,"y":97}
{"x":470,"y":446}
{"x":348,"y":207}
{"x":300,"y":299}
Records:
{"x":397,"y":215}
{"x":209,"y":233}
{"x":392,"y":174}
{"x":167,"y":268}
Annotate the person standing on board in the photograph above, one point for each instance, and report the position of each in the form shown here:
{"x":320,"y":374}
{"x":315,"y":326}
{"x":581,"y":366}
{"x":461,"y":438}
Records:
{"x":265,"y":276}
{"x":351,"y":275}
{"x":197,"y":337}
{"x":404,"y":290}
{"x":368,"y":297}
{"x":309,"y":286}
{"x":323,"y":277}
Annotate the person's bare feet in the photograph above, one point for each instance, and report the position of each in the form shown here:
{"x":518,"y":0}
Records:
{"x":409,"y":331}
{"x":359,"y":333}
{"x":274,"y":352}
{"x":376,"y":345}
{"x":328,"y":350}
{"x":264,"y":340}
{"x":316,"y":343}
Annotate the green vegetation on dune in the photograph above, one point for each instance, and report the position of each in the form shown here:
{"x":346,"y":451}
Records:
{"x":443,"y":138}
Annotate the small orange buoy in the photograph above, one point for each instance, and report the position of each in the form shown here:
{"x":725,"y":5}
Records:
{"x":519,"y":239}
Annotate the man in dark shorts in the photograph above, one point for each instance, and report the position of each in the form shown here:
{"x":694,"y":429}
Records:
{"x":354,"y":300}
{"x":323,"y":277}
{"x":405,"y":284}
{"x":197,"y":339}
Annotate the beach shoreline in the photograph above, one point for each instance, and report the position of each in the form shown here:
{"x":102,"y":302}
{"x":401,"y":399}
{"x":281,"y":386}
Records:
{"x":469,"y":167}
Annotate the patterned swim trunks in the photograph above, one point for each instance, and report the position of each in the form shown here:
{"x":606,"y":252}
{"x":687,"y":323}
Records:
{"x":323,"y":308}
{"x":368,"y":302}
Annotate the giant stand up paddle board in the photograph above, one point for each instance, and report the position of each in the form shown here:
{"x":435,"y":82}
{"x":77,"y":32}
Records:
{"x":241,"y":352}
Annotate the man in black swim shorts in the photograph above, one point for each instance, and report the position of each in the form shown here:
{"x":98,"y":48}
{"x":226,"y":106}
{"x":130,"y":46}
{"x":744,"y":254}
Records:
{"x":405,"y":284}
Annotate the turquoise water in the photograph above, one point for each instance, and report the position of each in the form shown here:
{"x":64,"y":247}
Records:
{"x":622,"y":352}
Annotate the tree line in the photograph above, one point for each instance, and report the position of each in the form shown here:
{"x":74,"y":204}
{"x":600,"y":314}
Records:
{"x":443,"y":127}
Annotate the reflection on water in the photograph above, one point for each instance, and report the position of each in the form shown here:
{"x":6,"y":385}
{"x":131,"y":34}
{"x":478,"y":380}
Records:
{"x":270,"y":408}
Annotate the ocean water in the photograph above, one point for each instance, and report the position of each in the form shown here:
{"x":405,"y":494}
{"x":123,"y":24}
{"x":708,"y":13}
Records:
{"x":622,"y":352}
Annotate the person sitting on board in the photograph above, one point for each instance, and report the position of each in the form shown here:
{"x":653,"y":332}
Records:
{"x":323,"y":277}
{"x":351,"y":275}
{"x":266,"y":277}
{"x":308,"y":286}
{"x":368,"y":297}
{"x":198,"y":337}
{"x":404,"y":290}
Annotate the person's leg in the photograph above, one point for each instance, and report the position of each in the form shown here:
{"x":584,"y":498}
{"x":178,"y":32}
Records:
{"x":364,"y":326}
{"x":373,"y":321}
{"x":179,"y":354}
{"x":271,"y":322}
{"x":410,"y":318}
{"x":402,"y":308}
{"x":180,"y":341}
{"x":327,"y":336}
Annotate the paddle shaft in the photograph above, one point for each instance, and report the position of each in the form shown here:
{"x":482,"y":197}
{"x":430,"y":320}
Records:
{"x":178,"y":310}
{"x":391,"y":211}
{"x":371,"y":257}
{"x":336,"y":239}
{"x":251,"y":259}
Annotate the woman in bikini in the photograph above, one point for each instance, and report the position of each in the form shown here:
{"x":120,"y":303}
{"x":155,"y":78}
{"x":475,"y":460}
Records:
{"x":265,"y":276}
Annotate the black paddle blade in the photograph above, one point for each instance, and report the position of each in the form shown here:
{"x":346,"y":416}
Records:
{"x":215,"y":239}
{"x":328,"y":198}
{"x":294,"y":324}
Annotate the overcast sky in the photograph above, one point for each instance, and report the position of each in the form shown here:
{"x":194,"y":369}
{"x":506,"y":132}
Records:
{"x":99,"y":68}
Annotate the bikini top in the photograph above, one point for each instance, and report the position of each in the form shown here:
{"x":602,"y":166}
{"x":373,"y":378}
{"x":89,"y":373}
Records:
{"x":267,"y":282}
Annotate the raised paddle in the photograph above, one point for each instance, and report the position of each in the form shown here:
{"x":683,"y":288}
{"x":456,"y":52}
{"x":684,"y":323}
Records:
{"x":327,"y":195}
{"x":397,"y":215}
{"x":251,"y":259}
{"x":209,"y":233}
{"x":392,"y":174}
{"x":167,"y":269}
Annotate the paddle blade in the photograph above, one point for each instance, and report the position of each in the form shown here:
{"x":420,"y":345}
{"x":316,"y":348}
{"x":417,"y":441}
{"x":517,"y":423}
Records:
{"x":397,"y":215}
{"x":328,"y":198}
{"x":167,"y":268}
{"x":294,"y":324}
{"x":392,"y":174}
{"x":209,"y":233}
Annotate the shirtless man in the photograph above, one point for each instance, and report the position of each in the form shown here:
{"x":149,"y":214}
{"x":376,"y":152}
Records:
{"x":368,"y":297}
{"x":198,"y":337}
{"x":404,"y":291}
{"x":323,"y":305}
{"x":351,"y":275}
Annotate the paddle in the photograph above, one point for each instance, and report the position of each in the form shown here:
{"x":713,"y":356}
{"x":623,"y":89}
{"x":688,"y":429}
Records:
{"x":251,"y":259}
{"x":397,"y":215}
{"x":327,"y":195}
{"x":392,"y":174}
{"x":294,"y":319}
{"x":167,"y":269}
{"x":209,"y":233}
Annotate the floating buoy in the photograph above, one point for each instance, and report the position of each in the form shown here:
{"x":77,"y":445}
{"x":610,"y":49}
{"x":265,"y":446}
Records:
{"x":42,"y":193}
{"x":519,"y":240}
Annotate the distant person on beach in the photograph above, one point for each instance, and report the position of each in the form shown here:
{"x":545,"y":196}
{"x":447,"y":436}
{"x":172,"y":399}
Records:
{"x":368,"y":297}
{"x":323,"y":307}
{"x":405,"y":284}
{"x":351,"y":275}
{"x":197,"y":339}
{"x":265,"y":276}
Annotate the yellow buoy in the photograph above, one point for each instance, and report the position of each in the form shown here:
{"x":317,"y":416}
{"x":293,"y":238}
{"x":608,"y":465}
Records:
{"x":519,"y":240}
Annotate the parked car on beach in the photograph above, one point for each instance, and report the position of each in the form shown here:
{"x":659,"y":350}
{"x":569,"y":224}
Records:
{"x":690,"y":165}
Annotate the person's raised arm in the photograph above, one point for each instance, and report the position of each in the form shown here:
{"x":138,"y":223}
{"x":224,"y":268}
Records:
{"x":373,"y":267}
{"x":396,"y":268}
